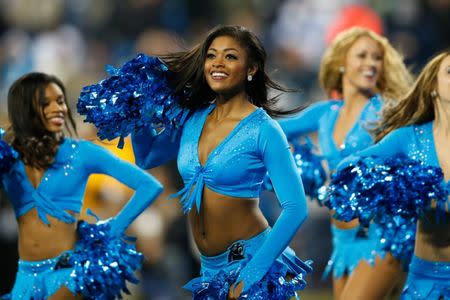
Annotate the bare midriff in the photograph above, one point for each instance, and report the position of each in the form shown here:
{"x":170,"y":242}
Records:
{"x":223,"y":220}
{"x":39,"y":241}
{"x":433,"y":238}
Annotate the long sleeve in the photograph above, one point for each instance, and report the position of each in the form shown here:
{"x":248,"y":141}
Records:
{"x":147,"y":188}
{"x":151,"y":150}
{"x":391,"y":144}
{"x":306,"y":121}
{"x":280,"y":165}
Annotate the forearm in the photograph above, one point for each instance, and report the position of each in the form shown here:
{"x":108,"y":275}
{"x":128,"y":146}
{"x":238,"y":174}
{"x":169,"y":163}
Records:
{"x":146,"y":193}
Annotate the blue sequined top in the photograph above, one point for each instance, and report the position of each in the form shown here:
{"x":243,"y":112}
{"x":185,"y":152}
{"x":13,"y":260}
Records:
{"x":322,"y":116}
{"x":63,"y":183}
{"x":415,"y":141}
{"x":236,"y":167}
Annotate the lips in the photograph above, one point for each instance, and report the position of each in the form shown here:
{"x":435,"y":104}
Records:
{"x":56,"y":121}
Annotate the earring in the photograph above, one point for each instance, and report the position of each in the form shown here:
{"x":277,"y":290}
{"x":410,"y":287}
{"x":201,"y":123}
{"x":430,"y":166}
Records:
{"x":341,"y":69}
{"x":433,"y":94}
{"x":249,"y":77}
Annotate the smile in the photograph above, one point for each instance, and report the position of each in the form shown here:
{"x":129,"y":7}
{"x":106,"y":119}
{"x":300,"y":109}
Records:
{"x":218,"y":75}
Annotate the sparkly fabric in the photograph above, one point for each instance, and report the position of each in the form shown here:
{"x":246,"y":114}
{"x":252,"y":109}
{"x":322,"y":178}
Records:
{"x":63,"y":183}
{"x":103,"y":262}
{"x":98,"y":268}
{"x":219,"y":272}
{"x":236,"y":167}
{"x":38,"y":280}
{"x":322,"y":117}
{"x":374,"y":189}
{"x":8,"y":155}
{"x":427,"y":280}
{"x":135,"y":96}
{"x":392,"y":192}
{"x":417,"y":143}
{"x":101,"y":258}
{"x":309,"y":166}
{"x":233,"y":168}
{"x":349,"y":247}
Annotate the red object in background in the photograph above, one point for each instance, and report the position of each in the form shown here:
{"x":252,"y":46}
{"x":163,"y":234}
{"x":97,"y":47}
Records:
{"x":354,"y":15}
{"x":335,"y":95}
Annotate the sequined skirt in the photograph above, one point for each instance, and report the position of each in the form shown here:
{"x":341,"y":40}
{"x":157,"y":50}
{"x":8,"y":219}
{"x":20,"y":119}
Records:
{"x":98,"y":268}
{"x":350,"y":247}
{"x":40,"y":279}
{"x":427,"y":280}
{"x":218,"y":272}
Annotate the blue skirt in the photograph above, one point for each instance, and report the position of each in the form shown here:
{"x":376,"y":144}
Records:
{"x":219,"y":272}
{"x":40,"y":279}
{"x":98,"y":268}
{"x":349,"y":248}
{"x":427,"y":280}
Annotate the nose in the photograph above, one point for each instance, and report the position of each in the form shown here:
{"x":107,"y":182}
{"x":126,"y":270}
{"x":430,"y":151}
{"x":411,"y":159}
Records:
{"x":218,"y":62}
{"x":373,"y":61}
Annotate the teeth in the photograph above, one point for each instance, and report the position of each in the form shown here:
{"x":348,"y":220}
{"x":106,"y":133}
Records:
{"x":218,"y":74}
{"x":369,"y":73}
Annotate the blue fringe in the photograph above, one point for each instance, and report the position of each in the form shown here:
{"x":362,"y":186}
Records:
{"x":135,"y":96}
{"x":273,"y":286}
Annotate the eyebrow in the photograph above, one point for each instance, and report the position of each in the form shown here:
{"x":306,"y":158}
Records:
{"x":58,"y":97}
{"x":226,"y":49}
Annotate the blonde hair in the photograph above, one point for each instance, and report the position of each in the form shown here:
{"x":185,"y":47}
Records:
{"x":417,"y":106}
{"x":394,"y":80}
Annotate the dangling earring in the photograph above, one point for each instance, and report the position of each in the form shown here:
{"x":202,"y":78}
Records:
{"x":249,"y":77}
{"x":433,"y":94}
{"x":341,"y":69}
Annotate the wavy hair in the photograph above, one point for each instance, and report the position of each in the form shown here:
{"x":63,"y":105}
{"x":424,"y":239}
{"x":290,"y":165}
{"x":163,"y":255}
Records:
{"x":394,"y":80}
{"x":417,"y":106}
{"x":27,"y":133}
{"x":188,"y":68}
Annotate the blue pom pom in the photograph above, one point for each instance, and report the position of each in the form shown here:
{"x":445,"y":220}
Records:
{"x":8,"y":155}
{"x":398,"y":237}
{"x":374,"y":188}
{"x":135,"y":96}
{"x":273,"y":286}
{"x":309,"y":167}
{"x":102,"y":264}
{"x":393,"y":193}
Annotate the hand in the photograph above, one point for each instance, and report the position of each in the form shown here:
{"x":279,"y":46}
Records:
{"x":234,"y":293}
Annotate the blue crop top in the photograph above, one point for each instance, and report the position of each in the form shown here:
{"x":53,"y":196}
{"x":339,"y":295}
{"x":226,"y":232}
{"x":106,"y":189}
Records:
{"x":236,"y":167}
{"x":415,"y":141}
{"x":63,"y":183}
{"x":322,"y":116}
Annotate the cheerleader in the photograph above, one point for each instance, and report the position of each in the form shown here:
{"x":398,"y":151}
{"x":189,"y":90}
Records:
{"x":46,"y":184}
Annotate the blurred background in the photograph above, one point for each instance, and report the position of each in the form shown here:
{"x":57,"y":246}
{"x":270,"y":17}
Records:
{"x":75,"y":39}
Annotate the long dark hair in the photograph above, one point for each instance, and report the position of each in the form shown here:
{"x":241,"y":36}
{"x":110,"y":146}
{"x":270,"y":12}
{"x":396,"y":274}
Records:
{"x":27,"y":133}
{"x":188,"y":67}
